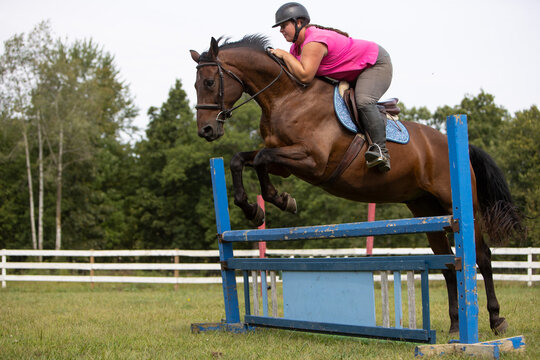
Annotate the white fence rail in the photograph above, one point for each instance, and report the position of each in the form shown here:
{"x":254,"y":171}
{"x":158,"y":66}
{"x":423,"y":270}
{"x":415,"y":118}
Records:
{"x":524,"y":271}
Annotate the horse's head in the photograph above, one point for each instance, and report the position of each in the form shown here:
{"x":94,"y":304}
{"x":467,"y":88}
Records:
{"x":217,"y":90}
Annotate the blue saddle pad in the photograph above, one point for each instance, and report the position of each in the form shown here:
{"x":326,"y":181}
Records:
{"x":395,"y":131}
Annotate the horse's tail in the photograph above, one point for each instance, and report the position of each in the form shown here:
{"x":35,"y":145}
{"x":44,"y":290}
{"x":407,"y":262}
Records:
{"x":501,"y":219}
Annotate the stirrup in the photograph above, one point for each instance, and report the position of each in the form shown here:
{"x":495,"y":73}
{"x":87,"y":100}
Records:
{"x":374,"y":156}
{"x":382,"y":164}
{"x":376,"y":162}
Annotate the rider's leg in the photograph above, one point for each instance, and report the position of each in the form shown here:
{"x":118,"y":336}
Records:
{"x":371,"y":84}
{"x":375,"y":125}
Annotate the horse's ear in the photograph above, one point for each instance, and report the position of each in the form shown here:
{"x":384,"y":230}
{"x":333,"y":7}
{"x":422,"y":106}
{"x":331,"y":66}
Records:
{"x":195,"y":56}
{"x":214,"y":48}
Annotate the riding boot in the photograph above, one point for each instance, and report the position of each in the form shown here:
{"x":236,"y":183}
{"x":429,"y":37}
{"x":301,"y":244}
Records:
{"x":375,"y":125}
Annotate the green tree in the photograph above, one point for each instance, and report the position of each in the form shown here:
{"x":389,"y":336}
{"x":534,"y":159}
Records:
{"x":14,"y":209}
{"x":19,"y":77}
{"x":162,"y":200}
{"x":70,"y":98}
{"x":520,"y":158}
{"x":484,"y":118}
{"x":418,"y":114}
{"x":82,"y":104}
{"x":98,"y":197}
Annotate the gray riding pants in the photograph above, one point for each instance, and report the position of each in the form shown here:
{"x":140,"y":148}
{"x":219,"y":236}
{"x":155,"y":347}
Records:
{"x":373,"y":82}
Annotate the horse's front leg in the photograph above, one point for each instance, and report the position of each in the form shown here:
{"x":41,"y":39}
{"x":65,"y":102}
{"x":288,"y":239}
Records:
{"x":282,"y":160}
{"x":252,"y":212}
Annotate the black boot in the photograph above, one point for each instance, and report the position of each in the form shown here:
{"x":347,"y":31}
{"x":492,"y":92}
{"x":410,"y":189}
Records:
{"x":377,"y":154}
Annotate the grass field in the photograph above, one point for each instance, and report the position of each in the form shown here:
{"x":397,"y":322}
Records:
{"x":118,"y":321}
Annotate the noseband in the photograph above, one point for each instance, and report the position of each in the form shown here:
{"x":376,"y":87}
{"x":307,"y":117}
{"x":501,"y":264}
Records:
{"x":227,"y":113}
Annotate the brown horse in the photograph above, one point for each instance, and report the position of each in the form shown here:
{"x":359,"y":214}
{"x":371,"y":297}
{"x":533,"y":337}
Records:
{"x":303,"y":137}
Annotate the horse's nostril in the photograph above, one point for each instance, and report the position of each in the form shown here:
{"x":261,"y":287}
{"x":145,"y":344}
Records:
{"x":206,"y":131}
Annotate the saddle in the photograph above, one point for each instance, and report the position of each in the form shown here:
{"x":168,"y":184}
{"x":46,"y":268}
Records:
{"x":388,"y":107}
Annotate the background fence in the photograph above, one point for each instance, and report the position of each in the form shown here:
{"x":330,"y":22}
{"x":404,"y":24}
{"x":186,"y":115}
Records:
{"x":84,"y":265}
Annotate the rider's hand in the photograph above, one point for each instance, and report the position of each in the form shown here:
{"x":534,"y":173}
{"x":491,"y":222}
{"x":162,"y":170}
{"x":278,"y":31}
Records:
{"x":279,"y":53}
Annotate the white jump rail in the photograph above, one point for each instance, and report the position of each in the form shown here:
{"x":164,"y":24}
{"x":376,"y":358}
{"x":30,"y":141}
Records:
{"x":91,"y":266}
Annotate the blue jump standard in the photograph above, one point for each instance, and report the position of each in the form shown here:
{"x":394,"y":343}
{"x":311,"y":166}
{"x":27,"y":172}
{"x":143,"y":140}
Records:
{"x":463,"y":236}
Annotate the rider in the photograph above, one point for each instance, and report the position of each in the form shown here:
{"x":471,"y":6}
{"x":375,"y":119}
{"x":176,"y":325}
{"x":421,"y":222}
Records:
{"x":322,"y":51}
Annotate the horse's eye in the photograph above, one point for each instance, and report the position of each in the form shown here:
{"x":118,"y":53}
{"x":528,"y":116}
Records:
{"x":208,"y":83}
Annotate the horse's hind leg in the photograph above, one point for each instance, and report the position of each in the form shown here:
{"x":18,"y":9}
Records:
{"x":252,"y":212}
{"x":440,"y":244}
{"x":483,"y":259}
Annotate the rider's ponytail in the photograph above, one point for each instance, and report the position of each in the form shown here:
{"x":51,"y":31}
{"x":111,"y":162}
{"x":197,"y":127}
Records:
{"x":328,"y":28}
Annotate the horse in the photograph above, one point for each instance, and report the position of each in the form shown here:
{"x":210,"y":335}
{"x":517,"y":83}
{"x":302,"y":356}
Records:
{"x":302,"y":137}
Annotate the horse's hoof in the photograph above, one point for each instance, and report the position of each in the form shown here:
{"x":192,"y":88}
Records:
{"x":454,"y":330}
{"x":291,"y":203}
{"x":500,"y":327}
{"x":258,"y":219}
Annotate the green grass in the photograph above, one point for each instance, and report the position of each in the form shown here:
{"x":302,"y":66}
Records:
{"x":114,"y":321}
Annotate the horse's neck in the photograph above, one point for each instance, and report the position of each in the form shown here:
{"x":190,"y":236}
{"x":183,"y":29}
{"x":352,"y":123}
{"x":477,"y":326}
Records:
{"x":258,"y":70}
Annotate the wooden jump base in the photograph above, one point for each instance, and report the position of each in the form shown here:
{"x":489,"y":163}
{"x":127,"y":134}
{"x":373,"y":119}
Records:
{"x":314,"y":300}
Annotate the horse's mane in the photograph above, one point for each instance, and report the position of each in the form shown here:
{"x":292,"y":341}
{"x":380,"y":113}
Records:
{"x":256,"y":42}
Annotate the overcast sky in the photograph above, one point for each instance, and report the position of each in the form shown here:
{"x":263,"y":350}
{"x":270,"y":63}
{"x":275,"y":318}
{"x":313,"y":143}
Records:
{"x":441,"y":50}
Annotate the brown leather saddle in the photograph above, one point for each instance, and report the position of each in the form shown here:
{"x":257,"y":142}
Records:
{"x":387,"y":108}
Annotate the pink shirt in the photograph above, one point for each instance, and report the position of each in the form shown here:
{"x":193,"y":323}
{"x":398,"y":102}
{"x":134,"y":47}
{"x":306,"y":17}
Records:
{"x":346,"y":57}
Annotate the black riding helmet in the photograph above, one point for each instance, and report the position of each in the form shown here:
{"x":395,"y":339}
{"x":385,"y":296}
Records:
{"x":292,"y":11}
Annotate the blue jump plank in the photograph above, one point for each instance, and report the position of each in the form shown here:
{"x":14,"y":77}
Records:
{"x":391,"y":263}
{"x":417,"y":335}
{"x":344,"y":297}
{"x":382,"y":227}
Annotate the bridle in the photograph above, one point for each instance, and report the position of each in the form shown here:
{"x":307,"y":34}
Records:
{"x":225,"y":113}
{"x":221,"y":106}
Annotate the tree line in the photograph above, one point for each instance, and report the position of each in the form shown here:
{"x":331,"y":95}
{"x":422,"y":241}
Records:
{"x":70,"y":180}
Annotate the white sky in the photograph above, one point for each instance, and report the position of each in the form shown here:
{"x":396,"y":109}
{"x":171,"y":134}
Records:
{"x":441,"y":49}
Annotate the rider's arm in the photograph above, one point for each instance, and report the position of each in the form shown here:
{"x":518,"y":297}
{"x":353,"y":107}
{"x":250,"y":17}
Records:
{"x":305,"y":69}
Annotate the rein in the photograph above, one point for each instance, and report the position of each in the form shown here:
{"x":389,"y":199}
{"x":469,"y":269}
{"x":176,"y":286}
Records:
{"x":227,"y":113}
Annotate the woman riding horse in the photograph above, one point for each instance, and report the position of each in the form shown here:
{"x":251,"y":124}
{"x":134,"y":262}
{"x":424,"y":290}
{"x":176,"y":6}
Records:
{"x":310,"y":143}
{"x":321,"y":51}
